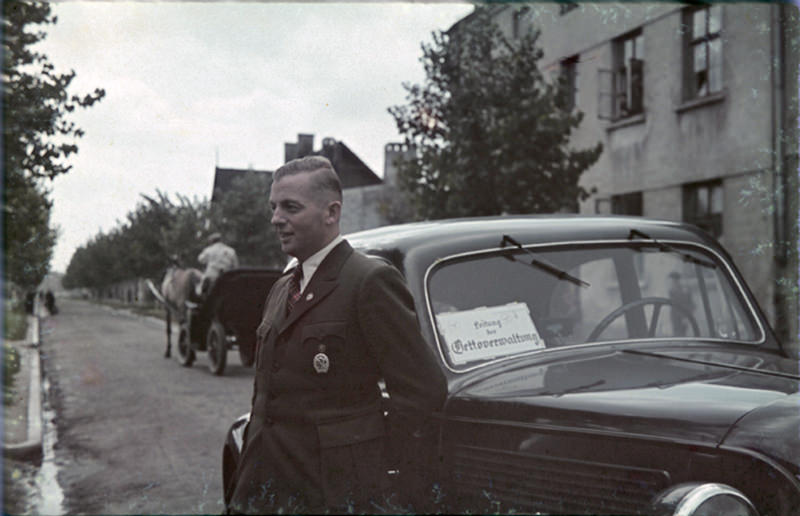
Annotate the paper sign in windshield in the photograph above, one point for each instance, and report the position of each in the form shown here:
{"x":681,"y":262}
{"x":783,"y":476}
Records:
{"x":488,"y":332}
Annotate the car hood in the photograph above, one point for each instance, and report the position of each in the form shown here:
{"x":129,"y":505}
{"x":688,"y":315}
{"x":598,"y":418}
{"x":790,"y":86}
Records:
{"x":689,"y":396}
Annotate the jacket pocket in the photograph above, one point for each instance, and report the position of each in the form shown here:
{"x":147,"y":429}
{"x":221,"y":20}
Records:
{"x":352,"y":458}
{"x":352,"y":430}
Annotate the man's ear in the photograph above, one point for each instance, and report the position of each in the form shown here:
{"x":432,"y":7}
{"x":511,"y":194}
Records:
{"x":333,"y":212}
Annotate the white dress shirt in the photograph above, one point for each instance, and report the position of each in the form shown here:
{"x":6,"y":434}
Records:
{"x":311,"y":265}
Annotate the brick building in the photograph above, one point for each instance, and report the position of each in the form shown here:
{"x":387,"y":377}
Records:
{"x":696,"y":107}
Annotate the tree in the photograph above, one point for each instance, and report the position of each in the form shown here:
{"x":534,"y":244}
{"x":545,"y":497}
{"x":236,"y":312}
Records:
{"x":38,"y":137}
{"x":28,"y":237}
{"x":489,"y":130}
{"x":243,"y":216}
{"x":184,"y":237}
{"x":156,"y":230}
{"x":146,"y":235}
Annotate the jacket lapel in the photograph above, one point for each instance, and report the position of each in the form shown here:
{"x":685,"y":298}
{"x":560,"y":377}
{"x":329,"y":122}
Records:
{"x":277,"y":312}
{"x":274,"y":314}
{"x":322,"y":283}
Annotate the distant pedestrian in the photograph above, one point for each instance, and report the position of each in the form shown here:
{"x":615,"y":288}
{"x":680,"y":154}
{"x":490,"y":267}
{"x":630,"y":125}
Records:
{"x":680,"y":297}
{"x":30,"y":301}
{"x":218,"y":258}
{"x":50,"y":302}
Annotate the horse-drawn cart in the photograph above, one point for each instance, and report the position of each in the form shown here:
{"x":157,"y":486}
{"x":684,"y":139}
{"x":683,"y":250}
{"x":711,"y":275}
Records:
{"x":225,"y":319}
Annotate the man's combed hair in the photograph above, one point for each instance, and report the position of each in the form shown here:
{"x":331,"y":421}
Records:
{"x":326,"y":181}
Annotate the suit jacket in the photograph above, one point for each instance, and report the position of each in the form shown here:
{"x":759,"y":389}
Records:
{"x":317,"y":433}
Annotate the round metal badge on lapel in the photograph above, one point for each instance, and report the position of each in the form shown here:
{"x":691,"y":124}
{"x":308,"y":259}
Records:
{"x":310,"y":296}
{"x":321,"y":363}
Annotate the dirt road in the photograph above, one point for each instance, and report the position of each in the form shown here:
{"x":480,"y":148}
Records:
{"x":137,"y":433}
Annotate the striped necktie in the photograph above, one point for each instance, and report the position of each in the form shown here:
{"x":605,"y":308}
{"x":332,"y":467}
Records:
{"x":294,"y":288}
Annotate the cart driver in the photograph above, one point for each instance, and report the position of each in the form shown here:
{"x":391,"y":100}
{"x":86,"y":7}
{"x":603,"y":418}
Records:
{"x":217,"y":258}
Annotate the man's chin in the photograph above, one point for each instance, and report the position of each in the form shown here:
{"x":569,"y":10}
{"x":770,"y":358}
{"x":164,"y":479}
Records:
{"x":287,"y":249}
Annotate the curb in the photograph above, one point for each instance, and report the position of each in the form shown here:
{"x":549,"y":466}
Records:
{"x":32,"y":448}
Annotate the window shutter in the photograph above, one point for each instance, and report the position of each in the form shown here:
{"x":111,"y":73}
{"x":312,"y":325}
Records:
{"x":637,"y":85}
{"x":622,"y":102}
{"x":605,"y":94}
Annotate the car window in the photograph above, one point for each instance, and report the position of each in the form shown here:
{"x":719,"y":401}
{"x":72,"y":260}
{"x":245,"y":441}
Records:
{"x":703,"y":292}
{"x":494,"y":305}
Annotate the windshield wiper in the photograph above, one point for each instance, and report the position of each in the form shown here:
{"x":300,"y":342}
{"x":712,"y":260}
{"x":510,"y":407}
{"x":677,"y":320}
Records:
{"x":635,"y":233}
{"x":543,"y":264}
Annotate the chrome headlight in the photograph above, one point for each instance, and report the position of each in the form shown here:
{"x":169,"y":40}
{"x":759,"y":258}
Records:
{"x":697,"y":499}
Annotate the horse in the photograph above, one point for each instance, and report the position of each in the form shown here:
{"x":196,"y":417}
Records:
{"x":177,"y":287}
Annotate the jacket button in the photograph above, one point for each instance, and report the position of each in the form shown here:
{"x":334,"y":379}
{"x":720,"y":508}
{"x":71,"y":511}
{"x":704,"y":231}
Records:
{"x":268,"y":422}
{"x":276,"y":366}
{"x":271,"y":395}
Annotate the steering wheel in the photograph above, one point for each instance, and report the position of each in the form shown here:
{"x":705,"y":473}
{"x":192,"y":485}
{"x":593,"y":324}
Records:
{"x":657,"y":303}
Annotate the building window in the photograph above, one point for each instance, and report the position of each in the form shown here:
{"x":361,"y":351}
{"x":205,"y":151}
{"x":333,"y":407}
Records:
{"x":703,"y":51}
{"x":602,"y":206}
{"x":517,"y":21}
{"x":569,"y":75}
{"x":702,"y":206}
{"x":565,"y":7}
{"x":627,"y":204}
{"x":622,"y":88}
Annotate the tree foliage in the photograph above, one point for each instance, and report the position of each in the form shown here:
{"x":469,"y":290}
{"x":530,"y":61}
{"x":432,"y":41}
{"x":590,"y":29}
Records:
{"x":159,"y":230}
{"x":489,"y":130}
{"x":38,"y":137}
{"x":142,"y":245}
{"x":28,"y":237}
{"x":243,"y":216}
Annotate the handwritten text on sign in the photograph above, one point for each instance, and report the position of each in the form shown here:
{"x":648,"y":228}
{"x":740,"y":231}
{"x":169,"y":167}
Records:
{"x":488,"y":332}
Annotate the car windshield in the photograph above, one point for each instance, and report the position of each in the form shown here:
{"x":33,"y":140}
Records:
{"x":499,"y":304}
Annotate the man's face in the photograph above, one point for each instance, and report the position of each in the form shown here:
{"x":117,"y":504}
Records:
{"x":301,"y":218}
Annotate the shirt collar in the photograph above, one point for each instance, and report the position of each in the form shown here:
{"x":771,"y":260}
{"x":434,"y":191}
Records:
{"x":315,"y":259}
{"x":313,"y":262}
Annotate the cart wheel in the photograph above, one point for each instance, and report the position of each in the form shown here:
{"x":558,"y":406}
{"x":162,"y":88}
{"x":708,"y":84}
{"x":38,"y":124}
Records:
{"x":217,"y":350}
{"x":185,"y":352}
{"x":246,"y":354}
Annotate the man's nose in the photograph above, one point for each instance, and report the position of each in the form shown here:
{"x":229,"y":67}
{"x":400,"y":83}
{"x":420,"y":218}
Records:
{"x":277,"y":219}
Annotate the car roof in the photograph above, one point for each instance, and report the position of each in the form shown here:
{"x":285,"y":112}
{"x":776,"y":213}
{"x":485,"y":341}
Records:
{"x":487,"y":232}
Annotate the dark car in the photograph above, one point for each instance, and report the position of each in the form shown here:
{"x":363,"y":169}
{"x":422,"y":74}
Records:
{"x":600,"y":365}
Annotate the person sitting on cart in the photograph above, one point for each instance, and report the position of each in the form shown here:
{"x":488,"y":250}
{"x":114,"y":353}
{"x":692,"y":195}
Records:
{"x":218,"y":258}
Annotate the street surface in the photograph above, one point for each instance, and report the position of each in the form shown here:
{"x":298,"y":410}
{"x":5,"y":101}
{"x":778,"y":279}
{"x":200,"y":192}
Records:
{"x":136,"y":433}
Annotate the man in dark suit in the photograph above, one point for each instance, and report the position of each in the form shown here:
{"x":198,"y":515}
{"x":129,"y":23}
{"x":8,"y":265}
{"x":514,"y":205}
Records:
{"x":333,"y":326}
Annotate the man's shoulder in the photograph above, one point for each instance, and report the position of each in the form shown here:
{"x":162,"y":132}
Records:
{"x":367,"y":266}
{"x":367,"y":261}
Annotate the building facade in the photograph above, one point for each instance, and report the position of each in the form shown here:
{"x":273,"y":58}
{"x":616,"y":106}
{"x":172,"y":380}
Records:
{"x":696,"y":107}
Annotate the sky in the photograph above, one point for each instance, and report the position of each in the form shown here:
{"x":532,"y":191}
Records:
{"x":193,"y":85}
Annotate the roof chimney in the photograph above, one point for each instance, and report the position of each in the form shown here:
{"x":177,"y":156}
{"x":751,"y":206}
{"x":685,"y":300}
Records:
{"x":305,"y":145}
{"x":289,"y":152}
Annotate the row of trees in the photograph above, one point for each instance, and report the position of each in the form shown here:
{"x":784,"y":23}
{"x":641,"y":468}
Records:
{"x":38,"y":137}
{"x":160,"y":230}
